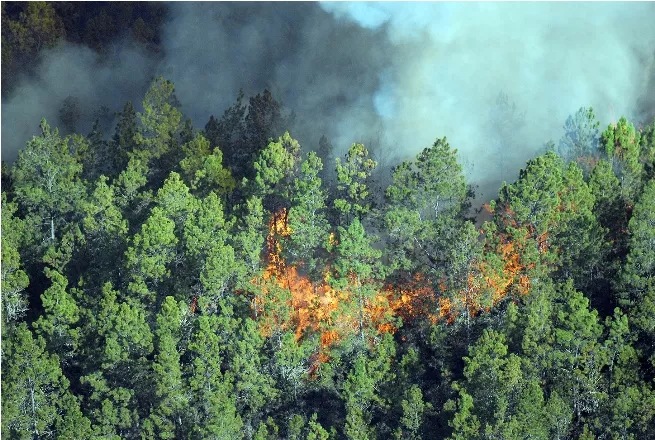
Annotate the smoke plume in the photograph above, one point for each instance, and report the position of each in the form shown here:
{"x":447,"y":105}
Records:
{"x":399,"y":73}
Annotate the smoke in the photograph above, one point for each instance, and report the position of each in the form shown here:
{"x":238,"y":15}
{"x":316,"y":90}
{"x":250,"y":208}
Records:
{"x":404,"y":73}
{"x":324,"y":70}
{"x":72,"y":70}
{"x":549,"y":58}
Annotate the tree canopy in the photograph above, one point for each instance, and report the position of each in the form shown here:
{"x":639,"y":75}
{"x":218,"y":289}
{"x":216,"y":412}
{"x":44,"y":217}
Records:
{"x":168,"y":282}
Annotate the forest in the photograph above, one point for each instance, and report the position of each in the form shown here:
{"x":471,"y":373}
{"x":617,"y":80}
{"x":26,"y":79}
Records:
{"x":163,"y":281}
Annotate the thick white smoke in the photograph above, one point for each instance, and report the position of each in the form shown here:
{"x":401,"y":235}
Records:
{"x":549,"y":58}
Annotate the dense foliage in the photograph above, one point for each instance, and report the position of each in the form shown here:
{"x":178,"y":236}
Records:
{"x":228,"y":283}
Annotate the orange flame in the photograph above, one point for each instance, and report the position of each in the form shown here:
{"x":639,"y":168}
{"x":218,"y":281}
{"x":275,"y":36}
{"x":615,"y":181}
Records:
{"x":311,"y":307}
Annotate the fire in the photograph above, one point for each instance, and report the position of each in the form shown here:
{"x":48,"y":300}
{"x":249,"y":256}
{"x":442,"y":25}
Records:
{"x":289,"y":300}
{"x":501,"y":272}
{"x":313,"y":306}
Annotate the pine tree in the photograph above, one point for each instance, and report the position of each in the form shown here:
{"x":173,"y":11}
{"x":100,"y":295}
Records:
{"x":577,"y":357}
{"x":120,"y":365}
{"x":307,"y":217}
{"x":353,"y":183}
{"x":581,"y":136}
{"x":150,"y":253}
{"x":630,"y":406}
{"x":254,"y":386}
{"x":413,"y":409}
{"x":14,"y":278}
{"x":105,"y":233}
{"x":36,"y":402}
{"x":203,"y":168}
{"x":360,"y":391}
{"x":160,"y":121}
{"x":357,"y":267}
{"x":213,"y":403}
{"x":620,"y":144}
{"x":637,"y":278}
{"x":167,"y":416}
{"x":212,"y":261}
{"x":123,"y":142}
{"x":423,"y":198}
{"x":229,"y":134}
{"x":275,"y":170}
{"x":46,"y":183}
{"x":61,"y":314}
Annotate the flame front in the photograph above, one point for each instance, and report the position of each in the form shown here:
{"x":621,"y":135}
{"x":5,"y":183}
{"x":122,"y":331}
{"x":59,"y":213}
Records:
{"x":312,"y":307}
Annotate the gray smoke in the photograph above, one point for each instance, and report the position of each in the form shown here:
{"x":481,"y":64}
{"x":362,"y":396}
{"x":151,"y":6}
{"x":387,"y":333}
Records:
{"x":399,"y":74}
{"x":323,"y":69}
{"x":76,"y":71}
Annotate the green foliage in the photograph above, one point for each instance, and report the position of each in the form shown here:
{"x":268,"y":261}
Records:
{"x":37,"y":27}
{"x":171,"y":397}
{"x":433,"y":185}
{"x":620,"y":144}
{"x":127,"y":336}
{"x":638,"y":275}
{"x":111,"y":407}
{"x":160,"y":120}
{"x":206,"y":236}
{"x":290,"y":363}
{"x":249,"y":240}
{"x":123,"y":142}
{"x":36,"y":402}
{"x":535,"y":196}
{"x":254,"y":387}
{"x":131,"y":180}
{"x":204,"y":169}
{"x":360,"y":390}
{"x":647,"y":156}
{"x":46,"y":181}
{"x":426,"y":199}
{"x":149,"y":254}
{"x":104,"y":228}
{"x":213,"y":404}
{"x":264,"y":121}
{"x":413,"y":409}
{"x":357,"y":267}
{"x":147,"y":294}
{"x":353,"y":182}
{"x":60,"y":315}
{"x":577,"y":356}
{"x":14,"y":278}
{"x":492,"y":377}
{"x":103,"y":217}
{"x":465,"y":424}
{"x":579,"y":236}
{"x":307,"y":216}
{"x":605,"y":186}
{"x":275,"y":171}
{"x":229,"y":134}
{"x":630,"y":403}
{"x":316,"y":431}
{"x":175,"y":200}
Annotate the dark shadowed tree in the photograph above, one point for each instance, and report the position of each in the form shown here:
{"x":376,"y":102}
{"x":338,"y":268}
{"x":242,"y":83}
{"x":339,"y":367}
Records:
{"x":124,"y":140}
